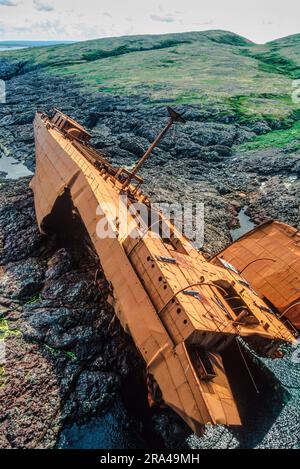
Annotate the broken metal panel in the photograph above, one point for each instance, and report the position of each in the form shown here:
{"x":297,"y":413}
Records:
{"x":268,"y":257}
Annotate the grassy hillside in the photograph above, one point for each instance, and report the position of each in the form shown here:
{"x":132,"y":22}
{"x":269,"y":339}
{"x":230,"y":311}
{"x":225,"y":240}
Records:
{"x":252,"y":82}
{"x":277,"y":138}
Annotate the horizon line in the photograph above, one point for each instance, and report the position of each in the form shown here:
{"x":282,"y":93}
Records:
{"x":7,"y":41}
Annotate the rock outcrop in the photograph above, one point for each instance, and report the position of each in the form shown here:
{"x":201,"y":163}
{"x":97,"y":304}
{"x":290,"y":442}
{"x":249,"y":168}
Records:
{"x":195,"y":163}
{"x":64,"y":359}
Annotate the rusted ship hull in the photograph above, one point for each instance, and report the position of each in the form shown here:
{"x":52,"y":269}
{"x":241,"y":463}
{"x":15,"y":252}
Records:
{"x":60,"y":165}
{"x":169,"y":328}
{"x":269,"y":259}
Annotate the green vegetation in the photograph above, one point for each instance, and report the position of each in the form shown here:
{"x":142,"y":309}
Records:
{"x":5,"y":331}
{"x":71,"y":355}
{"x":269,"y":107}
{"x":33,"y":300}
{"x":57,"y":352}
{"x":93,"y":55}
{"x":2,"y":376}
{"x":213,"y":68}
{"x":271,"y":61}
{"x":277,"y":138}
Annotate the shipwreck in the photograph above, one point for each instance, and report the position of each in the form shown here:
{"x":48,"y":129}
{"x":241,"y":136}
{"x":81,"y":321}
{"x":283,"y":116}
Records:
{"x":182,"y":310}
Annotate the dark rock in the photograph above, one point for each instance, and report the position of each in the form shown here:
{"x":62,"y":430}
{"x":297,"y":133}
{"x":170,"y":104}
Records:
{"x":131,"y":144}
{"x":22,"y":280}
{"x":170,"y":429}
{"x":19,"y":234}
{"x":100,"y":387}
{"x":260,"y":128}
{"x":222,"y":150}
{"x":223,"y":189}
{"x":10,"y":69}
{"x":60,"y":263}
{"x":64,"y":364}
{"x":124,"y":127}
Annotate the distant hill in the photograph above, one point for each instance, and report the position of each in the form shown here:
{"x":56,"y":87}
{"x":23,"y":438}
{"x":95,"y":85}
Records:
{"x":245,"y":79}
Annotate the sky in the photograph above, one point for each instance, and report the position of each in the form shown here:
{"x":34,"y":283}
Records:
{"x":258,"y":20}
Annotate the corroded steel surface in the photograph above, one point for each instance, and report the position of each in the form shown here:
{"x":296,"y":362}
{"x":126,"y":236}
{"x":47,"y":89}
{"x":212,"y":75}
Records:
{"x":269,"y":258}
{"x":180,"y":336}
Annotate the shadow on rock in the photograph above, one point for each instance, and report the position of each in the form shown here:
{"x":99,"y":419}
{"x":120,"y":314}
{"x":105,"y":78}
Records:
{"x":68,"y":364}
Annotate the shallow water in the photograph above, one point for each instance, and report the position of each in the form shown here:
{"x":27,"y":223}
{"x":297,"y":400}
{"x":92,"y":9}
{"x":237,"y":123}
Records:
{"x":108,"y":431}
{"x":245,"y":225}
{"x":271,"y":419}
{"x":2,"y":48}
{"x":12,"y":168}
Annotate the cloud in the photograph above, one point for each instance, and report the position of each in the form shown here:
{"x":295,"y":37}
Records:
{"x":204,"y":23}
{"x":54,"y":28}
{"x":163,"y":19}
{"x":42,"y":6}
{"x":8,"y":3}
{"x":91,"y":18}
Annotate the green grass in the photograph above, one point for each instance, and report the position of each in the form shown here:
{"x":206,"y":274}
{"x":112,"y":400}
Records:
{"x":265,"y":106}
{"x":277,"y":138}
{"x":33,"y":300}
{"x":271,"y":60}
{"x":58,"y":352}
{"x":5,"y":330}
{"x":200,"y":68}
{"x":2,"y":376}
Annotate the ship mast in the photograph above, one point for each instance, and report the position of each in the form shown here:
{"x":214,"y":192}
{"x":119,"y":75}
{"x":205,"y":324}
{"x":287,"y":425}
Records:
{"x":174,"y":117}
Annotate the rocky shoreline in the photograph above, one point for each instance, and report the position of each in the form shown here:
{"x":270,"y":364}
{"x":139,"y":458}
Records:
{"x":55,"y":319}
{"x":66,"y":359}
{"x":71,"y":378}
{"x":196,"y":162}
{"x":62,"y":365}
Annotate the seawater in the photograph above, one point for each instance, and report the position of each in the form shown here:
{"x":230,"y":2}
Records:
{"x":245,"y":225}
{"x":12,"y":168}
{"x":110,"y":430}
{"x":271,"y":417}
{"x":2,"y":48}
